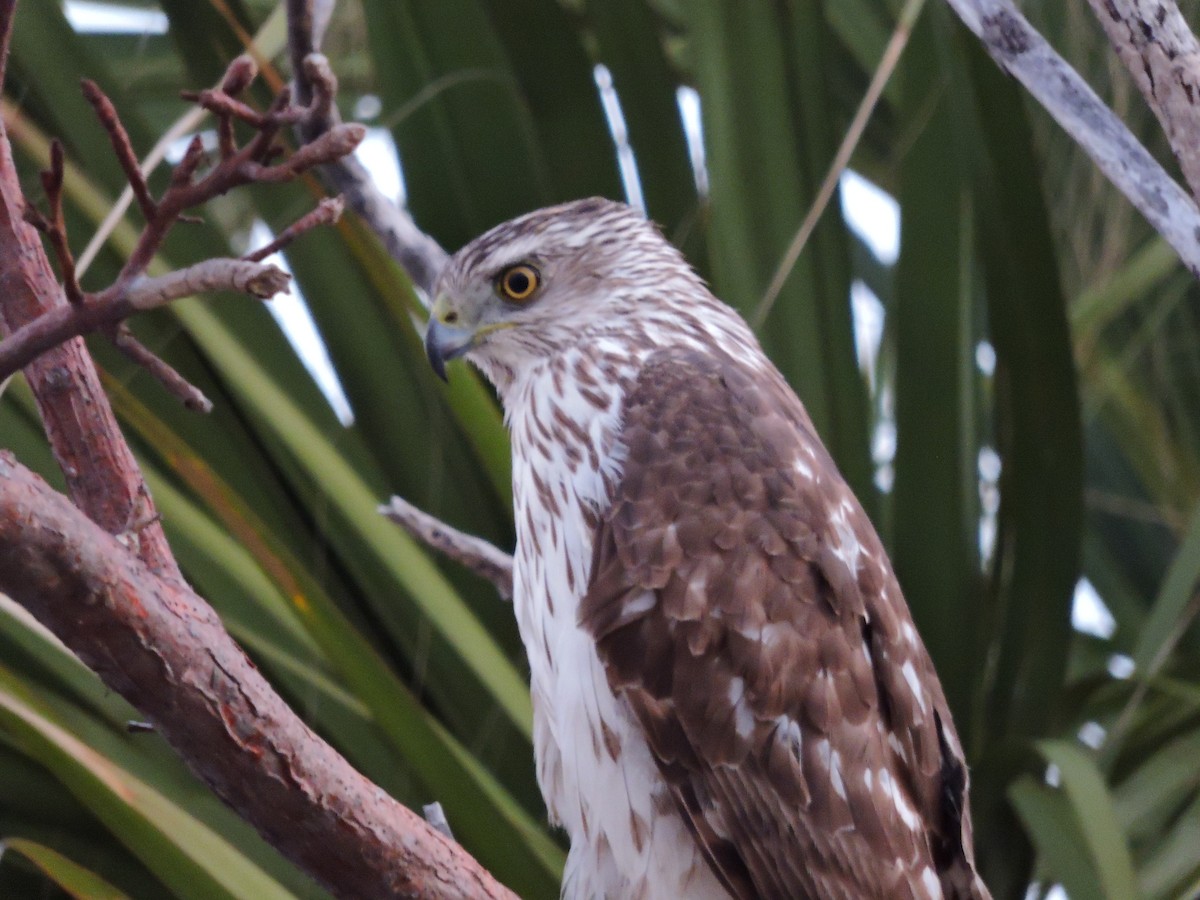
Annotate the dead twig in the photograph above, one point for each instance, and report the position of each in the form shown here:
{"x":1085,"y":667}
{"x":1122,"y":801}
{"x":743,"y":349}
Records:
{"x":54,"y":226}
{"x":256,"y":161}
{"x":421,"y":257}
{"x":328,"y":211}
{"x":104,"y":314}
{"x":162,"y":371}
{"x":475,"y":553}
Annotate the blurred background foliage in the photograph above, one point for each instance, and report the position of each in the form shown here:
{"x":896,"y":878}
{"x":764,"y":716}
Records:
{"x":1015,"y":395}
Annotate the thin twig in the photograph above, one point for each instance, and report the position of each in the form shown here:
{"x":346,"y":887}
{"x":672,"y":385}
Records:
{"x":178,"y":386}
{"x":475,"y":553}
{"x":257,"y":161}
{"x":883,"y":72}
{"x":235,"y":167}
{"x":56,"y":225}
{"x":122,"y":147}
{"x":328,"y":211}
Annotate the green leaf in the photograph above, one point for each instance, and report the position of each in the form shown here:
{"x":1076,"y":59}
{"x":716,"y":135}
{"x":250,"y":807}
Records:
{"x":1055,"y":832}
{"x":71,"y":877}
{"x":935,"y":505}
{"x":1093,"y":810}
{"x":631,"y":47}
{"x":1170,"y":610}
{"x":768,"y":142}
{"x":189,"y":857}
{"x":345,"y":494}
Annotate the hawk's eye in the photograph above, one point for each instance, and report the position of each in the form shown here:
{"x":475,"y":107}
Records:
{"x":517,"y":283}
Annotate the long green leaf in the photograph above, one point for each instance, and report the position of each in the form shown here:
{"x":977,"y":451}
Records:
{"x":1092,"y":807}
{"x":71,"y":877}
{"x":346,"y":494}
{"x":1056,"y":834}
{"x":935,"y":506}
{"x":189,"y":857}
{"x":1167,"y":616}
{"x":768,"y":141}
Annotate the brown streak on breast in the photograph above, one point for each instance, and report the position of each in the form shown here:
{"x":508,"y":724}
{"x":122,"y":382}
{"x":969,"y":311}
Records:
{"x":612,"y":742}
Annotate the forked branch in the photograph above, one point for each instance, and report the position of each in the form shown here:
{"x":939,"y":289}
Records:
{"x":195,"y":181}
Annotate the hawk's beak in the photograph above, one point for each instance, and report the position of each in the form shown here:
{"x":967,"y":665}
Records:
{"x":445,"y":340}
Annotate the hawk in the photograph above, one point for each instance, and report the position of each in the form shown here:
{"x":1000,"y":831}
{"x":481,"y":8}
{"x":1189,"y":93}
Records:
{"x":730,"y":698}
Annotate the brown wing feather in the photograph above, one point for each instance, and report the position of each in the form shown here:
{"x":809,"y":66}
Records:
{"x":770,"y":681}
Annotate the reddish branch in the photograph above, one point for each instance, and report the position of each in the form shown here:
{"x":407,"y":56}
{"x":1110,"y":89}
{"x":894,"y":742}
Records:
{"x":63,"y":321}
{"x":165,"y":651}
{"x":135,"y":621}
{"x":101,"y":474}
{"x":132,"y":291}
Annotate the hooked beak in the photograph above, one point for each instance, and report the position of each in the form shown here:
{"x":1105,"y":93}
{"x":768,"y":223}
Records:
{"x":445,"y":341}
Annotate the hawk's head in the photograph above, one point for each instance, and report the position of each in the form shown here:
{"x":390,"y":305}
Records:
{"x":535,"y":285}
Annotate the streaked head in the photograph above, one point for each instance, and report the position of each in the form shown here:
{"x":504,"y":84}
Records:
{"x":540,"y":282}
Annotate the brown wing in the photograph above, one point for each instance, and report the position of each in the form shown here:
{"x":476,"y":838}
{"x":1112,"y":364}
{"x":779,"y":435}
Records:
{"x":789,"y":703}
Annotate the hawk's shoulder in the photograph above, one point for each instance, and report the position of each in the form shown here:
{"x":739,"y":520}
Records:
{"x":744,"y":608}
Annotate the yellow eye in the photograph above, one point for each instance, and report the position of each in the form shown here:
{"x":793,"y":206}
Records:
{"x":518,"y":283}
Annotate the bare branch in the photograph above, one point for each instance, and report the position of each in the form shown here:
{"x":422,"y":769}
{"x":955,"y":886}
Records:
{"x":236,"y":166}
{"x":328,"y":211}
{"x":421,"y":257}
{"x":163,"y":649}
{"x":475,"y":553}
{"x":104,"y":313}
{"x":254,"y":162}
{"x":122,"y":147}
{"x":1162,"y":54}
{"x":55,"y":226}
{"x":100,"y":470}
{"x":1024,"y":53}
{"x":178,"y":386}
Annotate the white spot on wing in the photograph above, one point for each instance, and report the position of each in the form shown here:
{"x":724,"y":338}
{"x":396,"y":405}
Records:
{"x":835,"y":773}
{"x":772,"y":633}
{"x":643,"y":602}
{"x":743,"y":721}
{"x":788,"y":729}
{"x":833,"y":763}
{"x":914,"y":684}
{"x":929,"y":881}
{"x":845,"y":546}
{"x":907,"y":814}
